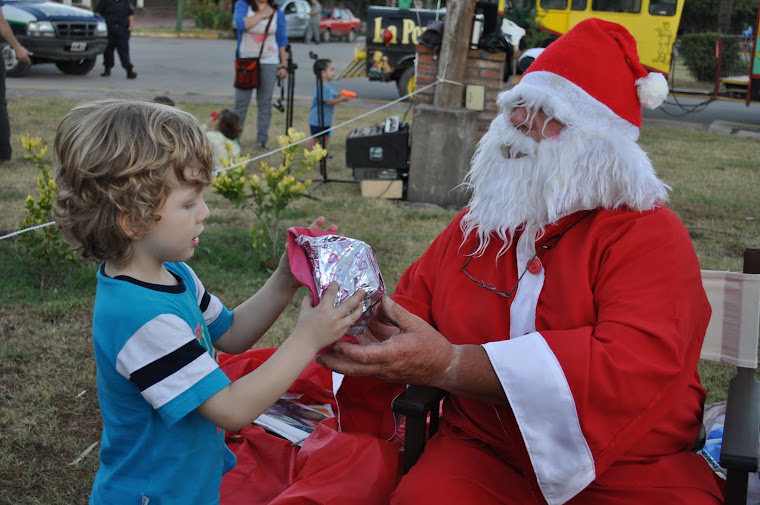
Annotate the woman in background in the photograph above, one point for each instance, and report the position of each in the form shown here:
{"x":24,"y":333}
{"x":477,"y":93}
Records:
{"x":260,"y":22}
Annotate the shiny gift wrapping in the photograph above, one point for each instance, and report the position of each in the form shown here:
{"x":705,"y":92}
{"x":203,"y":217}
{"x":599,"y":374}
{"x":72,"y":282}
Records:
{"x":349,"y":262}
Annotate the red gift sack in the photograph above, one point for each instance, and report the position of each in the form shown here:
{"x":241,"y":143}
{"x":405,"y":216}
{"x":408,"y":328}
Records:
{"x":349,"y":459}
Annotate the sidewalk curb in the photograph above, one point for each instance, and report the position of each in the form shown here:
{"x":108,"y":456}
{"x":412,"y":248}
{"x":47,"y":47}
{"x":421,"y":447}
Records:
{"x":734,"y":128}
{"x":183,"y":35}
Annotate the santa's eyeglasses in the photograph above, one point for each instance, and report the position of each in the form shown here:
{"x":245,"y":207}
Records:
{"x":533,"y":263}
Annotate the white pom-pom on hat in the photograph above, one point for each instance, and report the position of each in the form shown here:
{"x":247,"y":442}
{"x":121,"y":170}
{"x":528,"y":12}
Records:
{"x":652,"y":90}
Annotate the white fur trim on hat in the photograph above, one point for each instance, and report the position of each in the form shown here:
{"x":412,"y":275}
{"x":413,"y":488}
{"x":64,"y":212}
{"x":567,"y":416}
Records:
{"x":567,"y":102}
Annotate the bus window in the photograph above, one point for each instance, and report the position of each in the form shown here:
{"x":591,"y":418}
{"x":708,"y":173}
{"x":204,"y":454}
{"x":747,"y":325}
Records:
{"x":554,"y":4}
{"x":616,"y":5}
{"x":662,"y":8}
{"x":522,"y":4}
{"x":578,"y":5}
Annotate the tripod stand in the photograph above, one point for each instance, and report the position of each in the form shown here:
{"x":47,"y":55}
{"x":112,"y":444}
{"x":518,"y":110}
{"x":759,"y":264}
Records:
{"x":319,"y":67}
{"x":291,"y":68}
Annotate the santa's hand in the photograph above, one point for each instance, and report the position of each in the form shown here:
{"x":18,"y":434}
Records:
{"x":379,"y":327}
{"x":415,"y":354}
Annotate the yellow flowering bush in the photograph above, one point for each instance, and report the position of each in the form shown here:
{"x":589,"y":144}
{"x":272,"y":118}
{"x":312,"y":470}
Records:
{"x":45,"y":245}
{"x":270,"y":191}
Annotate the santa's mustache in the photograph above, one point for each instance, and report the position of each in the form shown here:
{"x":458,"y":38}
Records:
{"x":516,"y":141}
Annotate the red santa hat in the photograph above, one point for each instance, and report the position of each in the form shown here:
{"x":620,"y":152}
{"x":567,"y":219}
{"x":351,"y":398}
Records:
{"x":592,"y":74}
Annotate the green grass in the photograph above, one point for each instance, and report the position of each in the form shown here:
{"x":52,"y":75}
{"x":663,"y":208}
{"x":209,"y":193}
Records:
{"x":48,"y":399}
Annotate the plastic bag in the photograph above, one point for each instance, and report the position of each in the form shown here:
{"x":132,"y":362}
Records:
{"x":495,"y":42}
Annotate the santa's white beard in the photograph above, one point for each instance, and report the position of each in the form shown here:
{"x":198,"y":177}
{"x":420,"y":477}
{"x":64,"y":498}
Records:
{"x":572,"y":171}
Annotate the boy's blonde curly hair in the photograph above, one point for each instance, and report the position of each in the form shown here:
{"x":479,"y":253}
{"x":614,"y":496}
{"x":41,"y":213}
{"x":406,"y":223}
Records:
{"x":113,"y":160}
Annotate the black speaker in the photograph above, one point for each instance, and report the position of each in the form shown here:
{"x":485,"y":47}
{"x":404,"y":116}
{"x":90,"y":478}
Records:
{"x":374,"y":148}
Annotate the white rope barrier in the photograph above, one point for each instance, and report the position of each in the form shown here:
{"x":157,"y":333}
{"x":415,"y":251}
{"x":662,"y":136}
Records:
{"x":19,"y":232}
{"x":275,"y":151}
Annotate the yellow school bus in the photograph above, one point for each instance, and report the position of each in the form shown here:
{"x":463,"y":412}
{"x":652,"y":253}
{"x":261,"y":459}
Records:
{"x":653,"y":23}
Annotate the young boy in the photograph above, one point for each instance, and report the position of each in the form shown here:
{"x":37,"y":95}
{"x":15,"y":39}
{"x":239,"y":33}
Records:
{"x":326,"y":71}
{"x":130,"y":194}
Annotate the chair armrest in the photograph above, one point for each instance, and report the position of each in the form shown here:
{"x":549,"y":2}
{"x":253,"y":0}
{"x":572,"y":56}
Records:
{"x":742,"y":424}
{"x":741,"y":430}
{"x":416,"y":403}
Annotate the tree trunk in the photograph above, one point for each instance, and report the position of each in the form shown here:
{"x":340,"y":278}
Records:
{"x":457,"y":30}
{"x":724,"y":15}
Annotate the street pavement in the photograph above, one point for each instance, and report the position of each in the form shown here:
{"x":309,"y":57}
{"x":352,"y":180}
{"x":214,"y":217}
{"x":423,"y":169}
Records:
{"x":197,"y":67}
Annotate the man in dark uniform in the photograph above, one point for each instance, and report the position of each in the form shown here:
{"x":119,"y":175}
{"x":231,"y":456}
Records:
{"x":119,"y":17}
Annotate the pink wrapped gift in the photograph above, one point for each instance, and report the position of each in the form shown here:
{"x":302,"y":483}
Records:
{"x":318,"y":258}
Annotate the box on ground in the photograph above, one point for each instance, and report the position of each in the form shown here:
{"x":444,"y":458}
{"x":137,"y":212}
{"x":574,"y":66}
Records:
{"x":392,"y":189}
{"x":378,"y":173}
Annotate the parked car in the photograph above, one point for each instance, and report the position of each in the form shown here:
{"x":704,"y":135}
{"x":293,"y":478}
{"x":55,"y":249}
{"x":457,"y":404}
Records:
{"x":296,"y":17}
{"x":338,"y":22}
{"x":70,"y":37}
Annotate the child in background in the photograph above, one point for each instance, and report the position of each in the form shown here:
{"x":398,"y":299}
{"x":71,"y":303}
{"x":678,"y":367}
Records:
{"x":134,"y":201}
{"x":164,"y":100}
{"x":326,"y":71}
{"x":222,"y":129}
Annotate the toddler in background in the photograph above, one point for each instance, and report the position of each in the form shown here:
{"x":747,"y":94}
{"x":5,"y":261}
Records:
{"x":326,"y":71}
{"x":223,"y":128}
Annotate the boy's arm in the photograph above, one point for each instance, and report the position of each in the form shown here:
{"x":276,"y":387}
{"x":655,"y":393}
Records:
{"x":338,"y":99}
{"x":239,"y":403}
{"x":256,"y":315}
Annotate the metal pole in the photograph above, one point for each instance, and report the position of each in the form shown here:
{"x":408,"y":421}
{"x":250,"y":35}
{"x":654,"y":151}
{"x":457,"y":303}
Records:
{"x":718,"y":72}
{"x":321,"y":121}
{"x":180,"y":5}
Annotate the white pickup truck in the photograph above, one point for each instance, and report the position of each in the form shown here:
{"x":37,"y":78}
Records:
{"x":70,"y":37}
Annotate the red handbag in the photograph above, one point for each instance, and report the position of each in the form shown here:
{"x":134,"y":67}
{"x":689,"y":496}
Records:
{"x":247,"y":69}
{"x":246,"y":73}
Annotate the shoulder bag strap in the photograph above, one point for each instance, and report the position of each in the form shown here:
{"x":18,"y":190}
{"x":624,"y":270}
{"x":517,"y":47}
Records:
{"x":266,"y":33}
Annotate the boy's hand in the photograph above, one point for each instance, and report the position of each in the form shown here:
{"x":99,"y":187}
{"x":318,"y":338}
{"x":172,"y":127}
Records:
{"x":320,"y":222}
{"x":324,"y":324}
{"x":284,"y":265}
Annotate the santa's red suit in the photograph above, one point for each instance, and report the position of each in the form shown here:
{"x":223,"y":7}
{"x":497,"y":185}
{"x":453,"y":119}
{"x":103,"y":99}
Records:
{"x":596,"y":351}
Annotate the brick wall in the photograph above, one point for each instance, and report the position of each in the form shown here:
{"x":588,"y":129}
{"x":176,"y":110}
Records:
{"x":483,"y":68}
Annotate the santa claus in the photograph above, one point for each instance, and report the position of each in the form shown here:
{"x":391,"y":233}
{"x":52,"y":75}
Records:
{"x":562,"y":310}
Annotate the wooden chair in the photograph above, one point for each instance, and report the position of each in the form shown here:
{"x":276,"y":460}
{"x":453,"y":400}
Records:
{"x":731,"y":338}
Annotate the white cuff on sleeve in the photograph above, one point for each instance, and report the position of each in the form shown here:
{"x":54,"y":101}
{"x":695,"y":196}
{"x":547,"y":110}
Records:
{"x":543,"y":404}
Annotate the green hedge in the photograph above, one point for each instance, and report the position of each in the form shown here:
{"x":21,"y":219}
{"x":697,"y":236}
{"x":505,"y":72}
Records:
{"x":698,"y":52}
{"x":208,"y":14}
